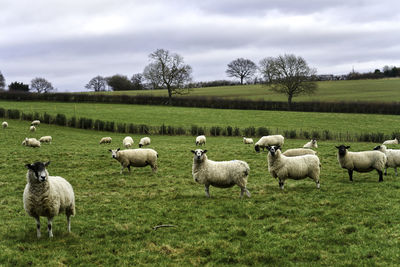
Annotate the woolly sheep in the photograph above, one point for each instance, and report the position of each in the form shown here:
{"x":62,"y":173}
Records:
{"x":106,"y":140}
{"x":269,"y":140}
{"x":127,"y":142}
{"x":311,"y":144}
{"x":32,"y":129}
{"x":298,"y":152}
{"x":35,"y":122}
{"x":47,"y":196}
{"x":145,"y":141}
{"x":200,"y":140}
{"x":4,"y":124}
{"x":32,"y":142}
{"x":364,"y":161}
{"x":392,"y":155}
{"x":221,"y":174}
{"x":391,"y":142}
{"x":45,"y":139}
{"x":248,"y":141}
{"x":299,"y":167}
{"x":139,"y":157}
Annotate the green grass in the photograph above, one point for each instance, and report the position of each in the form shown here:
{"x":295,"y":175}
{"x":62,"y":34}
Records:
{"x":343,"y":223}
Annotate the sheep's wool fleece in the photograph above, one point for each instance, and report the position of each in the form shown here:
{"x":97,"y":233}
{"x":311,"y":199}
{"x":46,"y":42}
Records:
{"x":137,"y":157}
{"x":297,"y":167}
{"x":363,"y":161}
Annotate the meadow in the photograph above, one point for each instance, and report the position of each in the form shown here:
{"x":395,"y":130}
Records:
{"x":343,"y":223}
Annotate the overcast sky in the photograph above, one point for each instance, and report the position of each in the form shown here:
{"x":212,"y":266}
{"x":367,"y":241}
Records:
{"x":70,"y":42}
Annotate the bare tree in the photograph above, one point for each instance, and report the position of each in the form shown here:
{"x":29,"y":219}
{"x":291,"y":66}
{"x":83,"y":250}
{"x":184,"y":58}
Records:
{"x":137,"y":81}
{"x":97,"y":84}
{"x":41,"y":85}
{"x":2,"y":81}
{"x":241,"y":68}
{"x":289,"y":75}
{"x":168,"y":71}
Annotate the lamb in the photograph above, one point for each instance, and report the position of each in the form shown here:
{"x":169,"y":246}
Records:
{"x":32,"y":129}
{"x":391,"y":142}
{"x":364,"y":161}
{"x":248,"y":141}
{"x":299,"y":167}
{"x":32,"y":142}
{"x":200,"y":140}
{"x":221,"y":174}
{"x":139,"y":157}
{"x":393,"y":157}
{"x":269,"y":140}
{"x":47,"y":196}
{"x":311,"y":144}
{"x":45,"y":139}
{"x":145,"y":141}
{"x":35,"y":122}
{"x":127,"y":142}
{"x":105,"y":140}
{"x":298,"y":152}
{"x":4,"y":124}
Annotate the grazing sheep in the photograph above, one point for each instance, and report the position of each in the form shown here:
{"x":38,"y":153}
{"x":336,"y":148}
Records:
{"x":32,"y":129}
{"x":127,"y":142}
{"x":364,"y":161}
{"x":105,"y":140}
{"x":4,"y":124}
{"x":140,"y":157}
{"x":32,"y":142}
{"x":35,"y":122}
{"x":391,"y":142}
{"x":45,"y":139}
{"x":311,"y":144}
{"x":47,"y":196}
{"x":145,"y":141}
{"x":298,"y":152}
{"x":248,"y":141}
{"x":299,"y":167}
{"x":269,"y":140}
{"x":393,"y":157}
{"x":221,"y":174}
{"x":200,"y":140}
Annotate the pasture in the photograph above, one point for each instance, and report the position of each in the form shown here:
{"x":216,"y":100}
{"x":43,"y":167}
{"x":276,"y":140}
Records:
{"x":342,"y":223}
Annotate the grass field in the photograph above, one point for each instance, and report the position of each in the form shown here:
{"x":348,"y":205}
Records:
{"x":343,"y":223}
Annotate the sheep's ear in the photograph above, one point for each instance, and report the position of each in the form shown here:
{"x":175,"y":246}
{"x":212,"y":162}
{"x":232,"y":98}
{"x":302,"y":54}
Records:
{"x":193,"y":151}
{"x":278,"y":147}
{"x":46,"y":163}
{"x":337,"y":147}
{"x":205,"y":151}
{"x":118,"y":149}
{"x":268,"y":147}
{"x":347,"y":147}
{"x":28,"y":166}
{"x":109,"y":150}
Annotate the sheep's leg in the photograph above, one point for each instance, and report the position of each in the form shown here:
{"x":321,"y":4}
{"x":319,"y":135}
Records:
{"x":380,"y":176}
{"x":244,"y":190}
{"x":37,"y":226}
{"x":281,"y":184}
{"x":49,"y":226}
{"x":69,"y":223}
{"x":395,"y":170}
{"x":317,"y":183}
{"x":154,"y":167}
{"x":207,"y":190}
{"x":350,"y":175}
{"x":129,"y":168}
{"x":385,"y":171}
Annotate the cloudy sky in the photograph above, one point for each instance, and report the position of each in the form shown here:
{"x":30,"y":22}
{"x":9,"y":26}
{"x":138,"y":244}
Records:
{"x":70,"y":42}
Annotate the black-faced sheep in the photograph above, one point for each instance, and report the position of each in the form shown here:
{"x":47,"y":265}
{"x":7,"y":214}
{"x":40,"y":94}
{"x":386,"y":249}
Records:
{"x":105,"y":140}
{"x":4,"y":124}
{"x":127,"y":142}
{"x":145,"y":141}
{"x":311,"y":144}
{"x":140,"y":157}
{"x":248,"y":141}
{"x":269,"y":140}
{"x":393,"y":157}
{"x":46,"y":139}
{"x":200,"y":140}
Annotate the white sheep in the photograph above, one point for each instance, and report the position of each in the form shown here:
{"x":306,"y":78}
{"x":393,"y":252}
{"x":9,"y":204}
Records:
{"x":105,"y":140}
{"x":127,"y":142}
{"x":364,"y":161}
{"x":45,"y":139}
{"x":200,"y":140}
{"x":391,"y":142}
{"x":221,"y":174}
{"x":311,"y":144}
{"x":32,"y":142}
{"x":393,"y":157}
{"x":248,"y":141}
{"x":4,"y":124}
{"x":32,"y":129}
{"x":299,"y":167}
{"x":298,"y":152}
{"x":140,"y":157}
{"x":35,"y":122}
{"x":145,"y":141}
{"x":269,"y":140}
{"x":47,"y":196}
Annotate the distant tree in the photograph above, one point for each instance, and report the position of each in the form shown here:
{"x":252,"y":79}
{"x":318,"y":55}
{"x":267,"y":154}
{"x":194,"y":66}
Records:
{"x":168,"y":71}
{"x":241,"y":68}
{"x":137,"y":81}
{"x":97,"y":84}
{"x":119,"y":83}
{"x":2,"y":82}
{"x":289,"y":75}
{"x":16,"y":86}
{"x":41,"y":85}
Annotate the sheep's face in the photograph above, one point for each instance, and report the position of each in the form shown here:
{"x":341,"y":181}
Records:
{"x":257,"y":148}
{"x":199,"y":154}
{"x":39,"y":170}
{"x":114,"y":153}
{"x":273,"y":149}
{"x":377,"y":148}
{"x":342,"y":149}
{"x":314,"y":141}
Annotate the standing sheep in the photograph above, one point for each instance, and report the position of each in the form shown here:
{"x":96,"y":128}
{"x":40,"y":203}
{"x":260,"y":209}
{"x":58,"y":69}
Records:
{"x":105,"y":140}
{"x":311,"y":144}
{"x":248,"y":141}
{"x":364,"y":161}
{"x":140,"y":157}
{"x":4,"y":124}
{"x":35,"y":122}
{"x":269,"y":140}
{"x":393,"y":157}
{"x":127,"y":142}
{"x":299,"y":167}
{"x":298,"y":152}
{"x":221,"y":174}
{"x":32,"y":142}
{"x":145,"y":141}
{"x":45,"y":139}
{"x":47,"y":196}
{"x":200,"y":140}
{"x":32,"y":129}
{"x":391,"y":142}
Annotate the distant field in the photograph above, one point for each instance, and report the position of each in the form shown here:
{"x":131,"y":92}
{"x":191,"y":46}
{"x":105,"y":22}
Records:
{"x":382,"y":90}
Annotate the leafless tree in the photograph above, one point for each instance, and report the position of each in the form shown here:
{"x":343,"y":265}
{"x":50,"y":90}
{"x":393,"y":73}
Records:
{"x":2,"y":81}
{"x":241,"y":68}
{"x":97,"y":84}
{"x":41,"y":85}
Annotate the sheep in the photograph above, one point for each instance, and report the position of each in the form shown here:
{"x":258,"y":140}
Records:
{"x":45,"y":139}
{"x":248,"y":141}
{"x":391,"y":142}
{"x":364,"y":161}
{"x":127,"y":142}
{"x":299,"y":167}
{"x":139,"y":157}
{"x":298,"y":152}
{"x":311,"y":144}
{"x":4,"y":124}
{"x":200,"y":140}
{"x":32,"y":142}
{"x":393,"y":157}
{"x":32,"y":129}
{"x":47,"y":196}
{"x":221,"y":174}
{"x":145,"y":141}
{"x":105,"y":140}
{"x":269,"y":140}
{"x":35,"y":122}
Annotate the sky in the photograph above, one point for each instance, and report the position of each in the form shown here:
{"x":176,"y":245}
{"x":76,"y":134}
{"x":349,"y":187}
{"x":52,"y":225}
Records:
{"x":70,"y":42}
